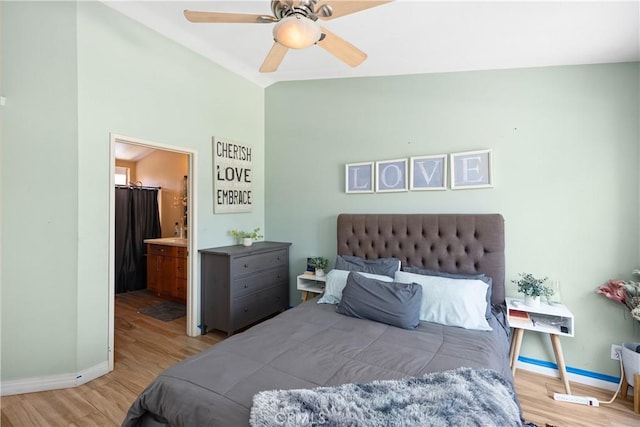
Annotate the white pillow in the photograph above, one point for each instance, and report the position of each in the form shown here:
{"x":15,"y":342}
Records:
{"x":337,"y":280}
{"x":451,"y":302}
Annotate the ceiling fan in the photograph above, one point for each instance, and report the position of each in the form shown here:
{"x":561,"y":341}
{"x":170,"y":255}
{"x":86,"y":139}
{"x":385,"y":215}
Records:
{"x":297,"y":27}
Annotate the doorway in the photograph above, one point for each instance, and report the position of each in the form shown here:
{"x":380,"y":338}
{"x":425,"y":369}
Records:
{"x":192,"y":298}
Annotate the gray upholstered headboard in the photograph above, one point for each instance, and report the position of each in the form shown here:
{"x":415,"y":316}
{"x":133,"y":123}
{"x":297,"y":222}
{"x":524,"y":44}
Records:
{"x":464,"y":243}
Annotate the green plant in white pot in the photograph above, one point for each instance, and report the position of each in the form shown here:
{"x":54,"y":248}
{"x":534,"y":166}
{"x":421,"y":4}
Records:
{"x":532,"y":288}
{"x":319,"y":264}
{"x":247,"y":237}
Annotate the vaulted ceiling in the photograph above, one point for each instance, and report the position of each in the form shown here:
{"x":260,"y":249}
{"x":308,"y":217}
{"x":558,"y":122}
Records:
{"x":411,"y":36}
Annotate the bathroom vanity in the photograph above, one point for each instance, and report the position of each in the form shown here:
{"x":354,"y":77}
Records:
{"x":167,"y":268}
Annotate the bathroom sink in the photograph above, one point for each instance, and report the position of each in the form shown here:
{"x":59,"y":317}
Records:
{"x":173,"y":241}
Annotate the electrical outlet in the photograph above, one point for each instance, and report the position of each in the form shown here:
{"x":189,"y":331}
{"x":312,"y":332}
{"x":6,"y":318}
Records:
{"x":615,"y":351}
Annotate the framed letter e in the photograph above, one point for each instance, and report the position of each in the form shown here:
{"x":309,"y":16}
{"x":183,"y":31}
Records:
{"x":471,"y":169}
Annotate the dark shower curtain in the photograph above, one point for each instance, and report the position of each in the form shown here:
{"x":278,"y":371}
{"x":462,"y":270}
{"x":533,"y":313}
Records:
{"x":137,"y":218}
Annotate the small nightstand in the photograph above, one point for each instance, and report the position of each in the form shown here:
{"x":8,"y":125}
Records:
{"x":310,"y":283}
{"x":555,"y":320}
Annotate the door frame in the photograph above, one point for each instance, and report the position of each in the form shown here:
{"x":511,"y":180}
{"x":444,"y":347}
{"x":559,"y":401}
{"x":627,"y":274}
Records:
{"x":193,"y":297}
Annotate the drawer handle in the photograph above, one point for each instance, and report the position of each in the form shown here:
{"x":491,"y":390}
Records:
{"x":246,"y":310}
{"x":246,"y":266}
{"x":246,"y":286}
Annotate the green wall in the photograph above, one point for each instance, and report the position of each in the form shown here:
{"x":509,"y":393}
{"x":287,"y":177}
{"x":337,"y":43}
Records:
{"x":134,"y":82}
{"x":565,"y":144}
{"x":39,"y":189}
{"x":564,"y":140}
{"x":73,"y":73}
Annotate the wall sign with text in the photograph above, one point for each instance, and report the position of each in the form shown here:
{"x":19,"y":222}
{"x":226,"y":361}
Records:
{"x":359,"y":177}
{"x":469,"y":169}
{"x":429,"y":172}
{"x":391,"y":175}
{"x":232,"y":176}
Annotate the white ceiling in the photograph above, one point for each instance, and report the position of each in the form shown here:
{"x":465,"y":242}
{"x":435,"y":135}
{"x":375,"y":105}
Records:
{"x":131,"y":152}
{"x":412,"y":36}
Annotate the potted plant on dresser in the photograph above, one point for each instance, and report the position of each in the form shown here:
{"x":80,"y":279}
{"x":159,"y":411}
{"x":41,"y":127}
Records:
{"x":247,"y":237}
{"x":319,"y":264}
{"x":532,"y":288}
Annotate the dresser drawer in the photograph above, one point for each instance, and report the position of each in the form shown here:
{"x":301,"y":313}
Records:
{"x":180,"y":291}
{"x":161,"y":250}
{"x":181,"y":268}
{"x":251,"y":308}
{"x":180,"y":252}
{"x":252,"y":263}
{"x":246,"y":285}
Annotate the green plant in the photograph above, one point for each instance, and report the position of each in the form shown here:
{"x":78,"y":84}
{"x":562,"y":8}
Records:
{"x":255,"y":234}
{"x":531,"y":286}
{"x":319,"y":262}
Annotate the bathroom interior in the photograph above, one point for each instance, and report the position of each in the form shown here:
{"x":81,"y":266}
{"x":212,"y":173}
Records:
{"x":151,"y":224}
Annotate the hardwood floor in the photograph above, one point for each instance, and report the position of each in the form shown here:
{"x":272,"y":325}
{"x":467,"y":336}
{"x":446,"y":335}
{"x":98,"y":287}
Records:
{"x":536,"y":398}
{"x":145,"y":346}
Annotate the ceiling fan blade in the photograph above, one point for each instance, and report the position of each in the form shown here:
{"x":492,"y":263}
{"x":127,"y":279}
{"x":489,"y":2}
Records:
{"x":341,"y":49}
{"x":223,"y":17}
{"x":274,"y":58}
{"x":345,"y":7}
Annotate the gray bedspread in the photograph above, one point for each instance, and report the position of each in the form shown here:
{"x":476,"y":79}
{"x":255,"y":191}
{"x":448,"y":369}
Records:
{"x":308,"y":346}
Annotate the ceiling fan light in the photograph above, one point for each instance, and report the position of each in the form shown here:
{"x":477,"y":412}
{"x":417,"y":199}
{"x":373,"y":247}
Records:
{"x":296,"y":32}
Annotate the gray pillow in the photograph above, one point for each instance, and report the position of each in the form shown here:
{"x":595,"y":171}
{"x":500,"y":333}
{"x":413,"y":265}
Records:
{"x":396,"y":304}
{"x":486,"y":279}
{"x":386,"y":266}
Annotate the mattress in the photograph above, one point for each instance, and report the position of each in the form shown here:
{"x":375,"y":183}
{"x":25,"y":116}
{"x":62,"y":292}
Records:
{"x":305,"y":347}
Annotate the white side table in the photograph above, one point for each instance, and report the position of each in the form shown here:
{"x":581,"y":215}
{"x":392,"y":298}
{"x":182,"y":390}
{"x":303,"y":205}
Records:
{"x":310,"y":283}
{"x":555,"y":320}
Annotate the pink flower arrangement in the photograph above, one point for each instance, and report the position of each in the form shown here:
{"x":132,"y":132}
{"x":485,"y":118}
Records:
{"x":614,"y":290}
{"x":625,"y":292}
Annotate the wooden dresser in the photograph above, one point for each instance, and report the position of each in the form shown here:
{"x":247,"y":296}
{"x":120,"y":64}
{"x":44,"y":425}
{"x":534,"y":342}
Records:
{"x":243,"y":284}
{"x":167,"y":271}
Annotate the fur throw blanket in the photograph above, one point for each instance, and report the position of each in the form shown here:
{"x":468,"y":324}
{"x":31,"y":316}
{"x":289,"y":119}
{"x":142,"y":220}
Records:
{"x":460,"y":397}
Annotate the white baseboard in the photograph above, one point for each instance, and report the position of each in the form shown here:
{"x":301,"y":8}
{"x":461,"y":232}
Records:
{"x":92,"y":373}
{"x":580,"y":379}
{"x":30,"y":385}
{"x":53,"y":382}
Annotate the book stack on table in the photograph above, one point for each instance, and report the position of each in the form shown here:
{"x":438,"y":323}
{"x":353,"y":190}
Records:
{"x":519,"y":319}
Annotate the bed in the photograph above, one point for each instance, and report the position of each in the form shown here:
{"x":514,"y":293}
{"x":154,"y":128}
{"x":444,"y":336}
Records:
{"x":313,"y":347}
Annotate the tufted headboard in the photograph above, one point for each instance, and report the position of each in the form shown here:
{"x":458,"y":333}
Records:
{"x":465,"y":243}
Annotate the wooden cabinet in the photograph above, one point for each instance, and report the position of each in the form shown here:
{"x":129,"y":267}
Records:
{"x":243,"y":284}
{"x":167,"y":271}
